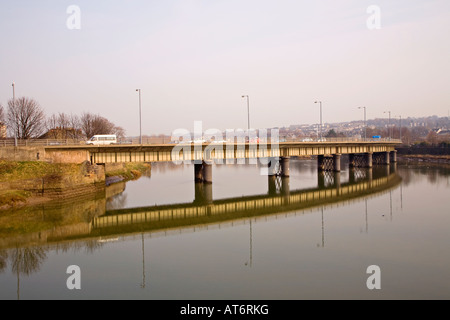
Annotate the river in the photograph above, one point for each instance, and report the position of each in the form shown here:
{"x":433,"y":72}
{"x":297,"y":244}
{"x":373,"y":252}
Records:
{"x":245,"y":236}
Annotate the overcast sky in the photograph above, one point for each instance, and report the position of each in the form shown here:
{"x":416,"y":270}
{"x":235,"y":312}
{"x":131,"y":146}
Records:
{"x":194,"y":59}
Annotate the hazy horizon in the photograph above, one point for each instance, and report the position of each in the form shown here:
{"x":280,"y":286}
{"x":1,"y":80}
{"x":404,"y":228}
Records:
{"x":193,"y":61}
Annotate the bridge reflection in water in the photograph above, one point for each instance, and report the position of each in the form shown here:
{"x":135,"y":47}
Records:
{"x":204,"y":210}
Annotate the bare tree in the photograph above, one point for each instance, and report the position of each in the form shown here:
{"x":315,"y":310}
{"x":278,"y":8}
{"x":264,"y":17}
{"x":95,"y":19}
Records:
{"x":25,"y":118}
{"x":75,"y":124}
{"x":51,"y":124}
{"x":119,"y":132}
{"x":95,"y":124}
{"x":2,"y":115}
{"x":63,"y":126}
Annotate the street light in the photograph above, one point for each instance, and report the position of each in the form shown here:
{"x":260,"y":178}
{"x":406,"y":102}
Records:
{"x":400,"y":133}
{"x":320,"y":131}
{"x":365,"y":126}
{"x":389,"y":123}
{"x":248,"y":111}
{"x":140,"y":121}
{"x":16,"y":135}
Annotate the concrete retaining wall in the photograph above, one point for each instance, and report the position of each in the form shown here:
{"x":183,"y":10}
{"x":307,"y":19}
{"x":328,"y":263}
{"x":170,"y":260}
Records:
{"x":40,"y":154}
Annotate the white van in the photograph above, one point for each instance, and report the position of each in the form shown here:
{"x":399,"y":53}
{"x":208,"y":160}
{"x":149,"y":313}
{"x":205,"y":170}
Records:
{"x":102,"y":139}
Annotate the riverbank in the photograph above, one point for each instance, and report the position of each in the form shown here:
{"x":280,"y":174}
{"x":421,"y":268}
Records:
{"x":126,"y":171}
{"x":27,"y":183}
{"x":424,"y":158}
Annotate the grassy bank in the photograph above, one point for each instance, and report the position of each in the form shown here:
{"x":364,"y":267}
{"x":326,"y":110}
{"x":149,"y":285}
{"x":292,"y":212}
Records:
{"x":130,"y":171}
{"x":32,"y":182}
{"x":23,"y":170}
{"x":13,"y":197}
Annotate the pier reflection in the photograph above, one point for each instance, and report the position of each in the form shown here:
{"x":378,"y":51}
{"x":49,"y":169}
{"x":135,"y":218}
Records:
{"x":89,"y":218}
{"x":205,"y":210}
{"x":87,"y":225}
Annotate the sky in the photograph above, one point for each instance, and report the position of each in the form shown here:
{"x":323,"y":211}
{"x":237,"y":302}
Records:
{"x":194,"y":60}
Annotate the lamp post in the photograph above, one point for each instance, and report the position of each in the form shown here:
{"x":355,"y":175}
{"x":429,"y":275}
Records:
{"x":320,"y":129}
{"x":16,"y":135}
{"x":248,"y":111}
{"x":365,"y":126}
{"x":389,"y":123}
{"x":400,"y":133}
{"x":140,"y":121}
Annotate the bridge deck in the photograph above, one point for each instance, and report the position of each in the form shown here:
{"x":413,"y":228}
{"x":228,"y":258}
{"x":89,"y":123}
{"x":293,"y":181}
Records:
{"x":225,"y":151}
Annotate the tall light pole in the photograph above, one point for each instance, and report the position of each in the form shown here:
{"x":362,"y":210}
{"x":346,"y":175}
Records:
{"x":248,"y":111}
{"x":16,"y":135}
{"x":400,"y":133}
{"x":320,"y":130}
{"x":389,"y":123}
{"x":140,"y":120}
{"x":365,"y":126}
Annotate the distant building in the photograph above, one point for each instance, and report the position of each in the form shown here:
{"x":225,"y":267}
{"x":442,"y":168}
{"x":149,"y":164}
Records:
{"x":2,"y":131}
{"x":62,"y":133}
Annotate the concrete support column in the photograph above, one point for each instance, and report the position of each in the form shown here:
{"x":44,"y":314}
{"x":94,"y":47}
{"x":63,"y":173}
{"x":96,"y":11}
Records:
{"x":337,"y":162}
{"x":320,"y":162}
{"x":386,"y":157}
{"x":203,"y":172}
{"x":394,"y":156}
{"x":368,"y":160}
{"x":198,"y":172}
{"x":207,"y":172}
{"x":284,"y":166}
{"x":272,"y":167}
{"x":351,"y":160}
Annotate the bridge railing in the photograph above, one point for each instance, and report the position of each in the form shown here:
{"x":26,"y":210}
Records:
{"x":11,"y":142}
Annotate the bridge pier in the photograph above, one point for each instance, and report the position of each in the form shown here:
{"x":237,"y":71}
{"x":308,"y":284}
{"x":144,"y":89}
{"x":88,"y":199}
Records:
{"x":198,"y":174}
{"x":393,"y":156}
{"x":284,"y":163}
{"x":336,"y":162}
{"x":368,"y":159}
{"x":351,"y":160}
{"x":272,"y":167}
{"x":381,"y":158}
{"x":327,"y":163}
{"x":364,"y":160}
{"x":203,"y":172}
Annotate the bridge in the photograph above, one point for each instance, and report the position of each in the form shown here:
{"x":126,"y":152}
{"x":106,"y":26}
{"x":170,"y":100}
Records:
{"x":362,"y":153}
{"x":276,"y":155}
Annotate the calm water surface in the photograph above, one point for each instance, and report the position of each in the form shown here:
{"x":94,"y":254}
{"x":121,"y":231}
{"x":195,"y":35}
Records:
{"x":243,"y":237}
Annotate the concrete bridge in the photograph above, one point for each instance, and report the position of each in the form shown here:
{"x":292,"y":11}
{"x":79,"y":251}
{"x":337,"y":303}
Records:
{"x":361,"y":153}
